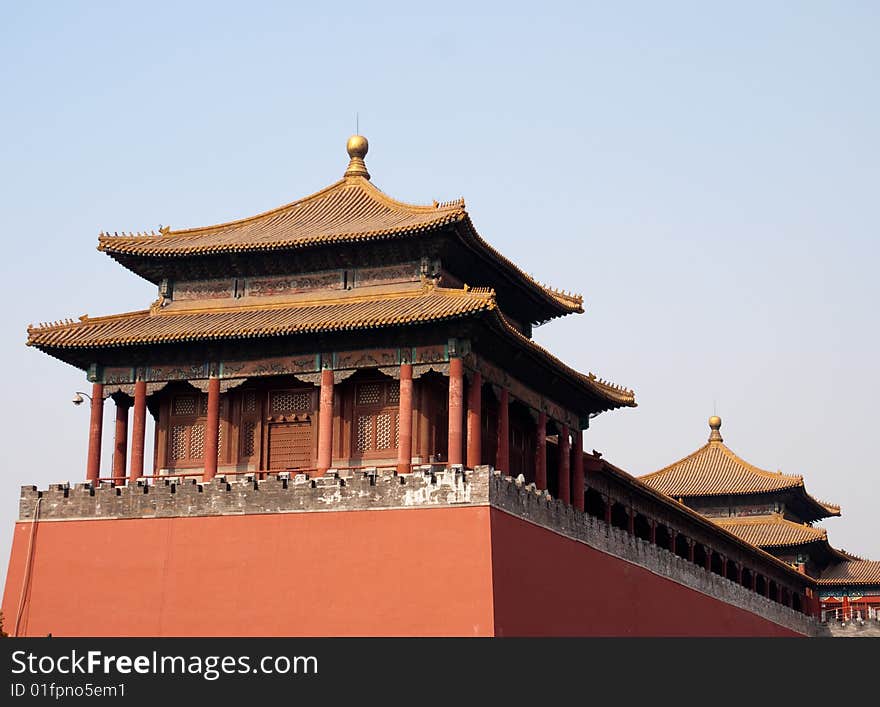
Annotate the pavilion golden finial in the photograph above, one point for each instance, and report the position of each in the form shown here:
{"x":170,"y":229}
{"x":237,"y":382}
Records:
{"x":357,"y":147}
{"x":715,"y":426}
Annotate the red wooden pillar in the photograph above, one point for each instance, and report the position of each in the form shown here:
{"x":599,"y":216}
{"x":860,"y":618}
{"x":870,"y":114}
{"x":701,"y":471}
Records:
{"x":724,"y":567}
{"x":673,"y":539}
{"x":138,"y":431}
{"x":578,"y":470}
{"x":120,"y":441}
{"x":404,"y":419}
{"x":325,"y":422}
{"x":502,"y":457}
{"x":754,"y":581}
{"x":541,"y":451}
{"x":632,"y":521}
{"x":96,"y":424}
{"x":564,"y":468}
{"x":692,"y":547}
{"x":212,"y":429}
{"x":456,"y":410}
{"x":708,"y":559}
{"x":653,"y":532}
{"x":608,"y":504}
{"x":474,"y":411}
{"x":739,"y":574}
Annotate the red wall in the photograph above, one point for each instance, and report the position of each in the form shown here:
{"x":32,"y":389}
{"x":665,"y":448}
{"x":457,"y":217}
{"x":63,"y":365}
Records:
{"x":546,"y":584}
{"x":390,"y":572}
{"x":432,"y":571}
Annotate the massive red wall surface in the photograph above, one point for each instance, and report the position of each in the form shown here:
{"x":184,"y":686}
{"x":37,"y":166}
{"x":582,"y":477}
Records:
{"x":467,"y":571}
{"x":389,"y":572}
{"x":546,"y":584}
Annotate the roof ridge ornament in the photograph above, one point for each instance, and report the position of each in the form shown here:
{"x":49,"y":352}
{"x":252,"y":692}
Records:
{"x":357,"y":147}
{"x":715,"y":426}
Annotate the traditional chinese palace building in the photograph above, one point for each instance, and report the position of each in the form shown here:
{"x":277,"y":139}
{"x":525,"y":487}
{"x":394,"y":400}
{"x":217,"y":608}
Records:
{"x":773,"y":511}
{"x":355,"y":434}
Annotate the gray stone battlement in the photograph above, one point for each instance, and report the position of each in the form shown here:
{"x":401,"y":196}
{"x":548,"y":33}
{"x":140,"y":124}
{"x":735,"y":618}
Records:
{"x":429,"y":486}
{"x":280,"y":493}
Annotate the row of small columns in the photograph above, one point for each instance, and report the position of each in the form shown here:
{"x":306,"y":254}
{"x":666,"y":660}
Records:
{"x":784,"y":595}
{"x":325,"y":432}
{"x":138,"y":434}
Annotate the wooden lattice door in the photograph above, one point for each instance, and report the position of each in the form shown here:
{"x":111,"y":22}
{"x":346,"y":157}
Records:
{"x":290,"y":445}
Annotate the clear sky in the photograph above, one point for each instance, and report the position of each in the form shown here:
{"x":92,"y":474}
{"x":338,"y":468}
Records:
{"x":707,"y":177}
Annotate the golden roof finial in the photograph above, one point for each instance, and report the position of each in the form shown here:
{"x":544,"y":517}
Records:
{"x":715,"y":425}
{"x":357,"y":147}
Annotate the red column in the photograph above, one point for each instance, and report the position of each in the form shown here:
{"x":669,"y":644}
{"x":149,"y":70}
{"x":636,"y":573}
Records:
{"x":563,"y":471}
{"x":456,"y":409}
{"x":325,"y":422}
{"x":608,"y":504}
{"x":692,"y":550}
{"x":632,"y":520}
{"x":138,"y":431}
{"x":502,"y":458}
{"x":541,"y":451}
{"x":120,"y":441}
{"x":212,"y":429}
{"x":724,"y":567}
{"x":739,"y":574}
{"x":578,"y":482}
{"x":404,"y":418}
{"x":96,"y":423}
{"x":474,"y":411}
{"x":653,"y":532}
{"x":708,"y":559}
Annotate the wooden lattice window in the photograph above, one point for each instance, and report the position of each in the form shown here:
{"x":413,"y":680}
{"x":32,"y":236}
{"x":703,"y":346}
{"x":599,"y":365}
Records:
{"x":186,"y":430}
{"x":377,"y":427}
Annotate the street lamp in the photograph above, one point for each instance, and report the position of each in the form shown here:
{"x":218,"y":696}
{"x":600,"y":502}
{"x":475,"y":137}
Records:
{"x":78,"y":398}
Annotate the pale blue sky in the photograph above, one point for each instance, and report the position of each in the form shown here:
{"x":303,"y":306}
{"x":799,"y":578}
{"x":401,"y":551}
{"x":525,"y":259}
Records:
{"x":706,"y":176}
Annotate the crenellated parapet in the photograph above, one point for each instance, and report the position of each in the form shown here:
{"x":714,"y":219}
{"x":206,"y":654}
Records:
{"x":282,"y":493}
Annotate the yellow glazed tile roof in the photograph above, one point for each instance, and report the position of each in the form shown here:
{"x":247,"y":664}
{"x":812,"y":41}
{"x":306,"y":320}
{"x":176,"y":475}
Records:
{"x":260,"y":319}
{"x":852,"y":572}
{"x":771,"y":530}
{"x":715,"y":470}
{"x":350,"y":210}
{"x":180,"y":322}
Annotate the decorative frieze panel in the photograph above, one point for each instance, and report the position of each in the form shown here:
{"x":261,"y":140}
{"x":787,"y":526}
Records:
{"x":306,"y":367}
{"x":181,"y":372}
{"x":365,"y":359}
{"x":122,"y":374}
{"x":430,"y":354}
{"x":292,"y":284}
{"x":389,"y":274}
{"x":278,"y":366}
{"x":204,"y":289}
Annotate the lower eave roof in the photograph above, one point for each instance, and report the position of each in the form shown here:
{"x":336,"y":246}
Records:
{"x":852,"y":572}
{"x":423,"y":304}
{"x":772,"y":530}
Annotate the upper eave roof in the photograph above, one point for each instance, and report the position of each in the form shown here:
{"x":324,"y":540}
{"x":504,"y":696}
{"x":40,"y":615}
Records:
{"x":714,"y":470}
{"x":348,"y":211}
{"x":303,"y":314}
